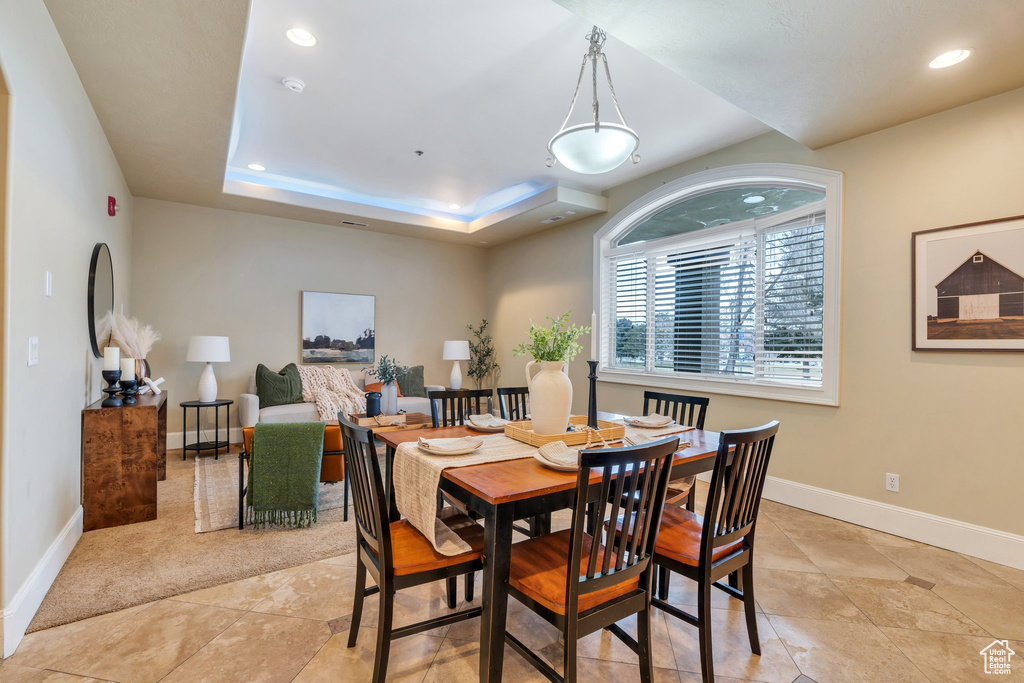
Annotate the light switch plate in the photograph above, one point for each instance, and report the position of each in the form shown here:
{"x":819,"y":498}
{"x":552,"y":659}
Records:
{"x":49,"y":283}
{"x":33,"y":351}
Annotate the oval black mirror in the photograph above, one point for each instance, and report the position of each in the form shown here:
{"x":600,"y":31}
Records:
{"x":101,"y":296}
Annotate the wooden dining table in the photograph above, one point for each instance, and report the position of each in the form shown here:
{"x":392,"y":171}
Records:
{"x":504,"y":491}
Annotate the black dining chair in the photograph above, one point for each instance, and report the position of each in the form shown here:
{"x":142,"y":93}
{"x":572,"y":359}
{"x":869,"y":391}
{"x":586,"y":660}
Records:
{"x":721,"y":543}
{"x":395,"y":554}
{"x":512,"y":402}
{"x":581,"y":585}
{"x":685,"y":410}
{"x":449,"y":408}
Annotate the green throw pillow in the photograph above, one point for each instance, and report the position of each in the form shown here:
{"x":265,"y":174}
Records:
{"x":278,"y":388}
{"x":411,"y":383}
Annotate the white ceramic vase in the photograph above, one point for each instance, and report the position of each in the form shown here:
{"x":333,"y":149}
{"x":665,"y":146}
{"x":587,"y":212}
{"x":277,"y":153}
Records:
{"x":550,"y":397}
{"x":389,"y":399}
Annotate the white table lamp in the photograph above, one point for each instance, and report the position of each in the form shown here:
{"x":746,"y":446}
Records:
{"x":456,"y":351}
{"x":208,"y":350}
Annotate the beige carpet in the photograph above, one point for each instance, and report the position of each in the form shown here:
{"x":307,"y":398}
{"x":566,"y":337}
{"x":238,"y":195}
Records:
{"x":216,"y":494}
{"x":111,"y":569}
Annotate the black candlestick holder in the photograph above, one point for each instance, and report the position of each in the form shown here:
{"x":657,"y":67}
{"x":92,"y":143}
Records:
{"x":129,"y":387}
{"x":592,"y":402}
{"x":111,"y":377}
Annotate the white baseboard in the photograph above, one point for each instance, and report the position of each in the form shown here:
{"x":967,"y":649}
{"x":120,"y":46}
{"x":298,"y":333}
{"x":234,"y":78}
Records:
{"x":26,"y":601}
{"x":174,"y":439}
{"x":970,"y":539}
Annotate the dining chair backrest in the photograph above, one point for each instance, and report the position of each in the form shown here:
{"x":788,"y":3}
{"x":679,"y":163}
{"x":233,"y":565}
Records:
{"x":633,"y":503}
{"x":737,"y":481}
{"x":449,"y":408}
{"x":512,"y":402}
{"x":685,"y":410}
{"x":369,"y":503}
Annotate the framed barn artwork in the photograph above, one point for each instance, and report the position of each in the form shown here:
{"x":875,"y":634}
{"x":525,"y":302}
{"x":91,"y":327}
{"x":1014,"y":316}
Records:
{"x":337,"y":328}
{"x":968,"y":287}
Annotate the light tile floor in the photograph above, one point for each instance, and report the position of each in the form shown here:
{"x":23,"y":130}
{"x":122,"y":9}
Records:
{"x":836,"y":602}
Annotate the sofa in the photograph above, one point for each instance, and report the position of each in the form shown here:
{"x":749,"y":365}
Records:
{"x":249,"y":412}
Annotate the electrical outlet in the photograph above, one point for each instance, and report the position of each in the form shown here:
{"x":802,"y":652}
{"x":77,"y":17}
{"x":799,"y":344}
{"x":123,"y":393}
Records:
{"x":33,"y":351}
{"x":892,"y":482}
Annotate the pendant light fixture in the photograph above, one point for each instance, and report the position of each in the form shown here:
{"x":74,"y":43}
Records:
{"x":596,"y":147}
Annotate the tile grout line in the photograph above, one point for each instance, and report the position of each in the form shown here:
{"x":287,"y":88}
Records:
{"x":200,"y":649}
{"x":894,"y":644}
{"x":954,"y":607}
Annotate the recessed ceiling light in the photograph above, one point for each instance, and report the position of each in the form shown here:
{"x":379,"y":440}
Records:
{"x":257,"y":167}
{"x":301,"y":36}
{"x":455,"y":207}
{"x":950,"y":58}
{"x":753,"y":199}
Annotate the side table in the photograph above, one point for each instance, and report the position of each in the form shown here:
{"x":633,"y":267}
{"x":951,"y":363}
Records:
{"x":214,"y":445}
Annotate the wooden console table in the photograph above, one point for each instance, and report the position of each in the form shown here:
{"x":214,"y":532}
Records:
{"x":124,"y":454}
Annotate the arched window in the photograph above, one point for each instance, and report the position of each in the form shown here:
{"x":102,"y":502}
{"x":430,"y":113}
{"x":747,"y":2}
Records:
{"x":726,"y":281}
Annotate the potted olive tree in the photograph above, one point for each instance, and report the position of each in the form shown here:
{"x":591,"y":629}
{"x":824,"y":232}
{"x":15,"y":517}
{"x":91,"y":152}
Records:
{"x":550,"y":389}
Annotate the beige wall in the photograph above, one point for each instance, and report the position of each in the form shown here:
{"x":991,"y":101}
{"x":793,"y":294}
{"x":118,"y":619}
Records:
{"x":202,"y":271}
{"x":61,"y":171}
{"x":4,"y":102}
{"x":949,"y":423}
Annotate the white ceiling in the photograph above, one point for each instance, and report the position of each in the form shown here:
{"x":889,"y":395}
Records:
{"x":478,"y":85}
{"x":823,"y":71}
{"x":163,"y":77}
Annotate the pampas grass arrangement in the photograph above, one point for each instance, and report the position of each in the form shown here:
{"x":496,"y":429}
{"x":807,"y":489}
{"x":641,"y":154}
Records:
{"x":135,"y":339}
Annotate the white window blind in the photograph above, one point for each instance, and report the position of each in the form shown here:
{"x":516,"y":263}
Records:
{"x":740,"y":303}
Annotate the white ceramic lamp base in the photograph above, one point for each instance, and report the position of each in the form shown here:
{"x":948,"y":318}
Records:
{"x":207,"y":385}
{"x":455,"y":381}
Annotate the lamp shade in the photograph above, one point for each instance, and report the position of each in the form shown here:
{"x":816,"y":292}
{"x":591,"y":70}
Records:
{"x":587,"y":149}
{"x":456,"y":350}
{"x":208,"y":350}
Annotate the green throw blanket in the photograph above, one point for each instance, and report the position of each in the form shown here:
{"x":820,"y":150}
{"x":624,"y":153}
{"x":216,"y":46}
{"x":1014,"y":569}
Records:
{"x":284,"y":474}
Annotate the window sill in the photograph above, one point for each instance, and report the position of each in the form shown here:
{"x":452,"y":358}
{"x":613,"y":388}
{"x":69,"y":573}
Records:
{"x":772,"y":392}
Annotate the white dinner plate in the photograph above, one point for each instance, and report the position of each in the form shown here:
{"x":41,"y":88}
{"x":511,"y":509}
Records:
{"x":490,"y":430}
{"x":550,"y":465}
{"x":634,"y":423}
{"x":457,"y":451}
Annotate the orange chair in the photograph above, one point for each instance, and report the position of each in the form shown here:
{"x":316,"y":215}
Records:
{"x":332,"y":467}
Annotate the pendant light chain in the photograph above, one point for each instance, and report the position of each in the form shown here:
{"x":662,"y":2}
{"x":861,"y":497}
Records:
{"x":597,"y":39}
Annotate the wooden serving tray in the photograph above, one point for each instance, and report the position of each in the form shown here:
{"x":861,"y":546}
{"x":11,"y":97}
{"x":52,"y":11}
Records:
{"x":363,"y":421}
{"x":610,"y":431}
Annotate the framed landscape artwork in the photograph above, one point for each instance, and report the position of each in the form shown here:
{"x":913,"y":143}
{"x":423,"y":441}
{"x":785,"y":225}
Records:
{"x":968,"y":287}
{"x":337,"y":328}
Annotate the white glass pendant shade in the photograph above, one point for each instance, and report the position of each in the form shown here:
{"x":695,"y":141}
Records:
{"x":584,"y":149}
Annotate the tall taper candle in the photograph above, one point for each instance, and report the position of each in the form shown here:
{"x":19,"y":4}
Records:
{"x":593,"y":336}
{"x":111,"y":355}
{"x":127,"y":368}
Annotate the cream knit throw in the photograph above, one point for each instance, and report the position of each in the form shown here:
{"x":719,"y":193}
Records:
{"x":333,"y":390}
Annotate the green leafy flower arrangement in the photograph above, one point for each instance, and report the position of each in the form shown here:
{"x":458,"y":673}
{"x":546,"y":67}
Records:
{"x":387,"y":370}
{"x":557,"y":343}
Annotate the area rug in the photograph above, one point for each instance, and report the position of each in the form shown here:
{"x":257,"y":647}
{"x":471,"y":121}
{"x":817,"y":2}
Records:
{"x":216,"y":494}
{"x":119,"y":567}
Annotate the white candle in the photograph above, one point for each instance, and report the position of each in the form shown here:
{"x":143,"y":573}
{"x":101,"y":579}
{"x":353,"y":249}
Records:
{"x":127,"y":368}
{"x":593,"y":336}
{"x":111,"y":354}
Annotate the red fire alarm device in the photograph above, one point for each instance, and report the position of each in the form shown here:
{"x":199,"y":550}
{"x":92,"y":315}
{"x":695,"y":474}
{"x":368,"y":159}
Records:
{"x":111,"y":206}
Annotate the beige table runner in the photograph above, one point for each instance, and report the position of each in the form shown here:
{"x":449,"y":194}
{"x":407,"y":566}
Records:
{"x":417,"y":476}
